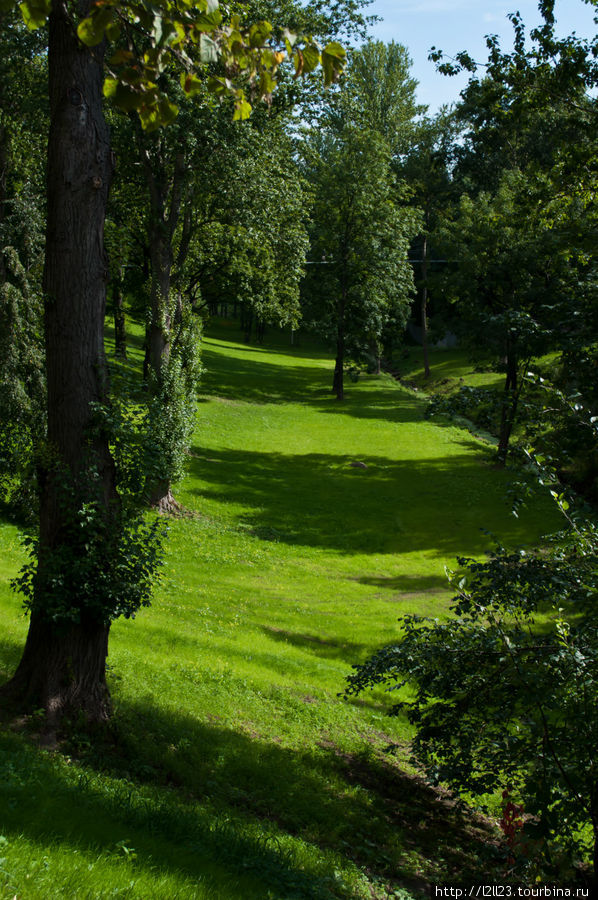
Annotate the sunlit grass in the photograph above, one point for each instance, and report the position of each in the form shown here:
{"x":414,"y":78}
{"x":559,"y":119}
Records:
{"x":234,"y":768}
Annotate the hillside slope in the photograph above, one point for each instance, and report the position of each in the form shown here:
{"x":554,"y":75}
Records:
{"x":234,"y":769}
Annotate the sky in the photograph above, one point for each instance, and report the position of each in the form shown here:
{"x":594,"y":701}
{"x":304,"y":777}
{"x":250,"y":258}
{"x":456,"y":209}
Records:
{"x":454,"y":25}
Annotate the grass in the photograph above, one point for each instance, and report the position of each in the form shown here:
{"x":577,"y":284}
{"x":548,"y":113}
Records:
{"x":233,"y":769}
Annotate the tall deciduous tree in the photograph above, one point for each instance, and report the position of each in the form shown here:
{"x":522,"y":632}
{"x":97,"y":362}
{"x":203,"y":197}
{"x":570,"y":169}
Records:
{"x":359,"y":277}
{"x":426,"y":168}
{"x":91,"y":564}
{"x":528,"y":171}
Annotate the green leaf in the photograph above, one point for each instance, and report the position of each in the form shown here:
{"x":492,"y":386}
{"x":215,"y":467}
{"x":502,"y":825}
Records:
{"x":120,"y":57}
{"x":333,"y":62}
{"x":218,"y":86}
{"x":110,"y":87}
{"x":35,"y":13}
{"x":335,"y":49}
{"x":191,"y":84}
{"x":311,"y":57}
{"x":289,"y":38}
{"x":161,"y":113}
{"x":208,"y":49}
{"x":259,"y":34}
{"x":91,"y":30}
{"x":242,"y":110}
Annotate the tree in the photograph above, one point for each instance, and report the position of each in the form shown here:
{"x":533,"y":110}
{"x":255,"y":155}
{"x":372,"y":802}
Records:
{"x":359,"y":278}
{"x":528,"y":172}
{"x":92,"y":561}
{"x":512,"y":271}
{"x":248,"y":242}
{"x":379,"y":94}
{"x":426,"y":169}
{"x":498,"y":689}
{"x":180,"y":174}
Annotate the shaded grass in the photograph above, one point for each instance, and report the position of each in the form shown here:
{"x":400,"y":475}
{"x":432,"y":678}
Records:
{"x":233,"y":768}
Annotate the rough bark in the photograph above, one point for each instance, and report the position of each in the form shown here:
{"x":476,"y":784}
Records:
{"x":63,"y":667}
{"x":63,"y":671}
{"x":166,"y":197}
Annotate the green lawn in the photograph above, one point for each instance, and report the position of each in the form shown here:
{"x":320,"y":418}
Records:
{"x":234,"y":769}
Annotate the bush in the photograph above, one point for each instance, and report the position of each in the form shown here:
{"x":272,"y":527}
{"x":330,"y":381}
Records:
{"x":506,"y":691}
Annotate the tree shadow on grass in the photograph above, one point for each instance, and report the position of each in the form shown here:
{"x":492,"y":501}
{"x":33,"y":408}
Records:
{"x":325,"y":647}
{"x":260,"y":381}
{"x":304,"y":346}
{"x":412,"y":585}
{"x":211,"y":802}
{"x":390,"y":507}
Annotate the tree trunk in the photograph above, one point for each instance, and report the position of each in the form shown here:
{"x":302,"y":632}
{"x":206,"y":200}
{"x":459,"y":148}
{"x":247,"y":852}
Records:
{"x":118,"y":309}
{"x":63,"y":671}
{"x":509,"y":407}
{"x":247,"y":324}
{"x":338,"y":385}
{"x":164,"y":218}
{"x":338,"y":382}
{"x":160,"y":318}
{"x":424,"y":308}
{"x":63,"y":666}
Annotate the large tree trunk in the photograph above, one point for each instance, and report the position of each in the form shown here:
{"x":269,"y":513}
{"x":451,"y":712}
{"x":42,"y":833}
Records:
{"x":63,"y":671}
{"x":63,"y":666}
{"x":160,"y":316}
{"x":164,"y":217}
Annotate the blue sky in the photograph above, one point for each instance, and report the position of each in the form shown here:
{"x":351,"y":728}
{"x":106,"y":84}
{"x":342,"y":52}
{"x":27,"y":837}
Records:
{"x":454,"y":25}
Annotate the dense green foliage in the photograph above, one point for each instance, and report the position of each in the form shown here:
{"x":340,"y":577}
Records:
{"x":500,"y":686}
{"x":359,"y":283}
{"x":22,"y":120}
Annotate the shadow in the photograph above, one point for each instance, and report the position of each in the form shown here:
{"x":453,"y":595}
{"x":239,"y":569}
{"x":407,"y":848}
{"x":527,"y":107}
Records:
{"x":327,"y":648}
{"x":10,"y":656}
{"x":209,"y":802}
{"x":11,"y":516}
{"x":410,"y":585}
{"x":390,"y":507}
{"x":276,"y":341}
{"x":254,"y":380}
